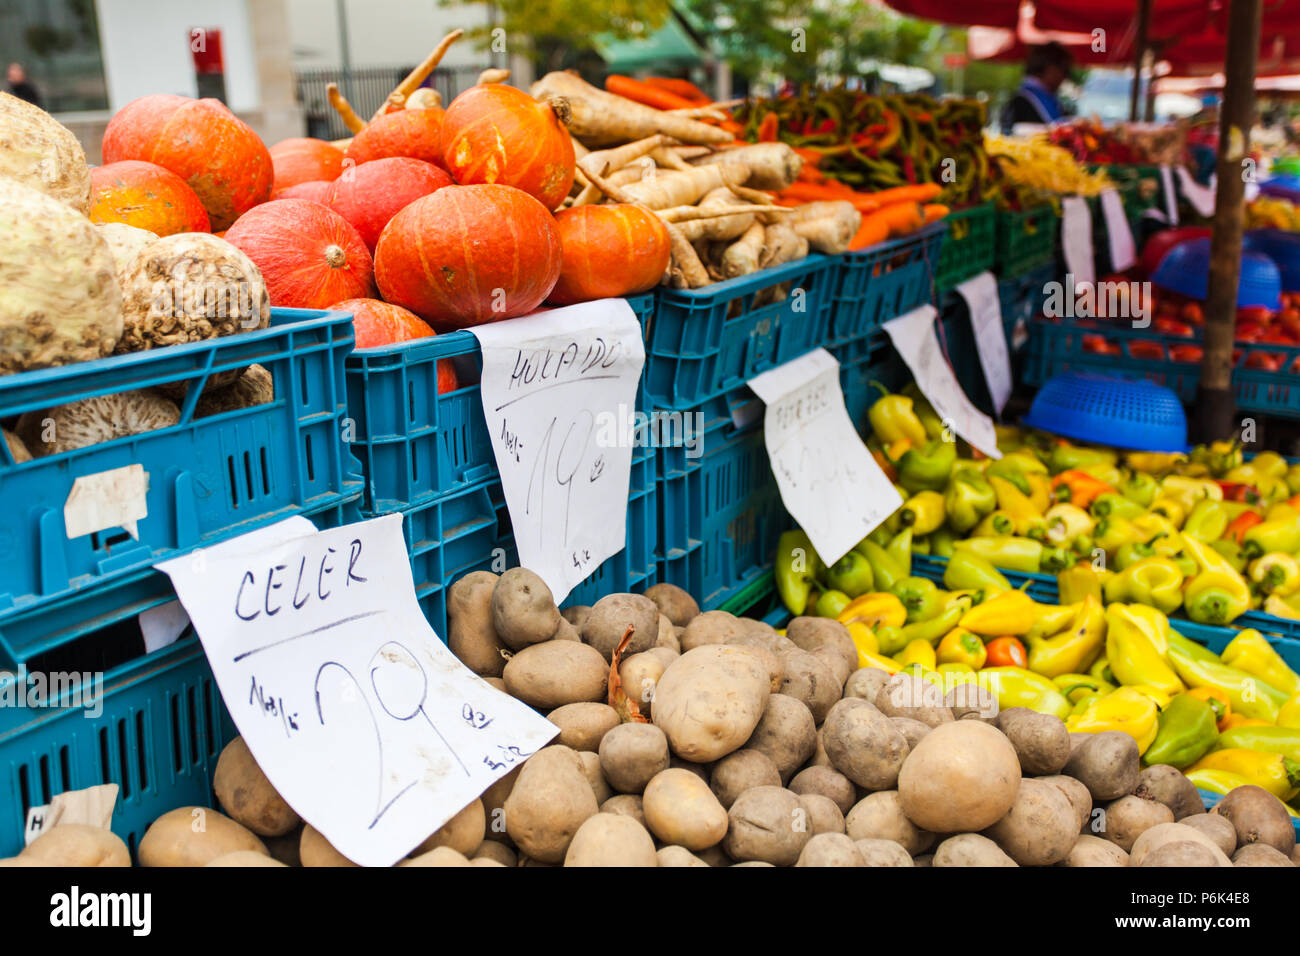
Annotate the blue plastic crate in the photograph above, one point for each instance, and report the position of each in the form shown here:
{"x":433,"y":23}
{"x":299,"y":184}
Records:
{"x":414,"y":442}
{"x":162,"y":723}
{"x":704,"y":342}
{"x":881,"y":283}
{"x":209,"y":479}
{"x":721,"y":517}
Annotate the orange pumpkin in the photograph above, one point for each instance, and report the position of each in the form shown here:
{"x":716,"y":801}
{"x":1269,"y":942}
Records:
{"x":378,"y":324}
{"x":145,"y":196}
{"x":494,"y":133}
{"x":308,"y":254}
{"x":317,"y":190}
{"x":303,"y":159}
{"x":609,"y":251}
{"x":200,"y":141}
{"x":414,"y":133}
{"x":371,"y":194}
{"x":467,"y":255}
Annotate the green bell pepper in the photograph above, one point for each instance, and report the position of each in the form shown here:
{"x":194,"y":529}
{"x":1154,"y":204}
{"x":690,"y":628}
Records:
{"x":928,"y":467}
{"x":1187,"y":731}
{"x":968,"y":571}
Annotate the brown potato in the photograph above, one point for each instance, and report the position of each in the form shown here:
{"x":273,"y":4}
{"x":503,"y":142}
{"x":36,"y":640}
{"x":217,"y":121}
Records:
{"x":244,"y":858}
{"x":827,"y":781}
{"x":1042,"y":743}
{"x":863,"y":744}
{"x":912,"y":730}
{"x":631,"y":754}
{"x":595,"y":776}
{"x":709,"y":700}
{"x":879,"y":816}
{"x":1180,"y":853}
{"x":1130,"y":816}
{"x":786,"y":733}
{"x":1219,"y":829}
{"x":583,"y":724}
{"x":1107,"y":764}
{"x":576,"y":614}
{"x":814,"y":633}
{"x":499,"y":852}
{"x":315,"y":850}
{"x":883,"y":853}
{"x":711,"y":627}
{"x":678,"y":856}
{"x":1169,"y":786}
{"x":866,"y":683}
{"x":464,"y":832}
{"x":555,"y":673}
{"x":668,"y":636}
{"x":1260,"y":854}
{"x":191,"y":836}
{"x":609,"y":839}
{"x":823,"y":816}
{"x":963,"y":775}
{"x":1089,"y":850}
{"x":830,"y":849}
{"x":673,"y":603}
{"x":1163,"y":834}
{"x":523,"y":609}
{"x":640,"y":675}
{"x":1039,"y":829}
{"x":77,"y":844}
{"x":906,"y":695}
{"x":438,"y":856}
{"x":625,"y":804}
{"x":1076,"y":793}
{"x":681,"y":809}
{"x":247,"y":796}
{"x":970,"y":849}
{"x":470,"y":633}
{"x":971,"y":702}
{"x":610,"y":618}
{"x":741,"y":771}
{"x":1259,"y":817}
{"x":551,"y":798}
{"x":494,"y":801}
{"x":765,"y":824}
{"x":810,"y":680}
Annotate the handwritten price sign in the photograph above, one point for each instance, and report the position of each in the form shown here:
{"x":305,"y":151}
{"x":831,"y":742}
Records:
{"x":355,"y":710}
{"x":559,"y":393}
{"x":828,"y":480}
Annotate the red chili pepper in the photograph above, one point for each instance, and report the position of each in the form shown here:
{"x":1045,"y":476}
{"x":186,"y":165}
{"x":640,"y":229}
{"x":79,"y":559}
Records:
{"x":1238,"y":491}
{"x":768,"y":128}
{"x":1238,"y":526}
{"x":827,"y":126}
{"x":909,"y":170}
{"x":1005,"y":652}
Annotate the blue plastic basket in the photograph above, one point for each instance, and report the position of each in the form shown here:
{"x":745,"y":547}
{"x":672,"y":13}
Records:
{"x":721,"y":517}
{"x":703,"y":342}
{"x":1186,"y":269}
{"x":209,"y":479}
{"x":162,"y":723}
{"x":1111,"y":411}
{"x":1283,"y":248}
{"x":881,"y":283}
{"x":415,"y":443}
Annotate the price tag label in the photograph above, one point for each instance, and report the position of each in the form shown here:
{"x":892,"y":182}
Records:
{"x":358,"y":714}
{"x":559,"y":397}
{"x":1076,"y":240}
{"x":1123,"y":250}
{"x":829,"y":482}
{"x":985,"y":308}
{"x":91,"y":807}
{"x":914,"y":337}
{"x":1201,"y":197}
{"x":1171,"y":197}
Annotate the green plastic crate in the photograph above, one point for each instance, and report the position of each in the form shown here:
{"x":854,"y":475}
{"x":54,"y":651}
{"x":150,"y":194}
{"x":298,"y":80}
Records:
{"x":968,"y":249}
{"x":1025,"y":240}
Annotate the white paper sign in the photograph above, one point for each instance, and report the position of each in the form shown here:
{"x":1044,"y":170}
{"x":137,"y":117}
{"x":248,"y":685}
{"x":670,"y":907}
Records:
{"x":559,"y":396}
{"x":1123,"y":250}
{"x":829,"y":482}
{"x":1201,"y":197}
{"x":91,"y":807}
{"x":117,"y":498}
{"x":1076,"y":240}
{"x":359,"y":716}
{"x":914,"y":337}
{"x":1171,"y":197}
{"x":162,"y":625}
{"x":985,"y":308}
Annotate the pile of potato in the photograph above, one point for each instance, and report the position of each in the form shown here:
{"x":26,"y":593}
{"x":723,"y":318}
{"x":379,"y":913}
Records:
{"x":716,"y":741}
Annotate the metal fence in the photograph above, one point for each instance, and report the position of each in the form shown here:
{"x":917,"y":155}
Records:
{"x":365,"y":90}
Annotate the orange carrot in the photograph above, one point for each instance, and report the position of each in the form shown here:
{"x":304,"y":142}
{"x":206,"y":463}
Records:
{"x":896,"y":219}
{"x":639,"y":92}
{"x":934,"y":212}
{"x":872,"y":231}
{"x":767,"y":128}
{"x":810,"y":157}
{"x":683,"y":88}
{"x":921,"y":192}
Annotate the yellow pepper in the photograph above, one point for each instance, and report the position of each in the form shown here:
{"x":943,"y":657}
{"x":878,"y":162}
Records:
{"x":1241,"y":720}
{"x":917,"y":652}
{"x":1017,"y":687}
{"x":1066,"y":522}
{"x":1188,"y":491}
{"x":960,"y":646}
{"x":1288,"y":715}
{"x":1276,"y":773}
{"x":1052,"y":619}
{"x":1015,"y":504}
{"x":1280,"y":607}
{"x":1217,"y":594}
{"x":1075,"y":687}
{"x":1075,"y":648}
{"x":1276,"y":573}
{"x":1170,"y":508}
{"x":1251,"y":652}
{"x":1152,"y":525}
{"x":1040,"y":490}
{"x":877,"y":609}
{"x":1126,"y":710}
{"x":1011,"y":612}
{"x":1137,"y":645}
{"x":1155,"y":463}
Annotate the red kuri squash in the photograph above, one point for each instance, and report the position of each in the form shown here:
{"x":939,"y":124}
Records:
{"x":609,"y":251}
{"x":317,"y":190}
{"x":145,"y":196}
{"x":494,"y":133}
{"x":467,"y":255}
{"x":200,"y":141}
{"x":303,"y":159}
{"x":371,"y":194}
{"x":414,"y":133}
{"x":309,"y":255}
{"x":380,"y":323}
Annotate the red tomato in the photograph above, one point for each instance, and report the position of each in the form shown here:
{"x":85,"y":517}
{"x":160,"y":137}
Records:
{"x":1005,"y":652}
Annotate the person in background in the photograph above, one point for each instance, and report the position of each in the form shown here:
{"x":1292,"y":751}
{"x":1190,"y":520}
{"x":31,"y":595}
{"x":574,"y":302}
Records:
{"x":20,"y":86}
{"x":1046,"y":68}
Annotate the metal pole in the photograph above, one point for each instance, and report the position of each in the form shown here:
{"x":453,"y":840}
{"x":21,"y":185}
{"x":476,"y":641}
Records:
{"x":1139,"y":54}
{"x":345,"y":51}
{"x":1215,"y":412}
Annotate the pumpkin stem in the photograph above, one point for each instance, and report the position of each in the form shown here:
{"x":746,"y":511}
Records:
{"x":335,"y":256}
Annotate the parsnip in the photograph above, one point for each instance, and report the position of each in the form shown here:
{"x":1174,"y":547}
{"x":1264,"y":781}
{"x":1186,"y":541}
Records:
{"x":771,"y":165}
{"x":742,"y":256}
{"x":829,"y":227}
{"x":686,"y":187}
{"x":781,"y":244}
{"x":600,"y":118}
{"x":411,"y":82}
{"x":726,"y":226}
